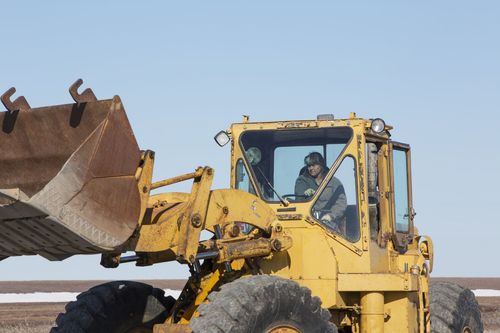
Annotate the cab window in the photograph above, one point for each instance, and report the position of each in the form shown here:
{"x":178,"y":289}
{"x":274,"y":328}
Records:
{"x":337,"y":205}
{"x":401,"y":193}
{"x":277,"y":158}
{"x":242,"y":179}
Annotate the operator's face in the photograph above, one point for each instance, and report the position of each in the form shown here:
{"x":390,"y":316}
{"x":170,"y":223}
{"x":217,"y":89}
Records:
{"x":314,"y":170}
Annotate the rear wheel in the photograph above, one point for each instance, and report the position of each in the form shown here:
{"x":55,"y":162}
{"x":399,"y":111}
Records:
{"x":262,"y":304}
{"x":115,"y":307}
{"x":454,"y":309}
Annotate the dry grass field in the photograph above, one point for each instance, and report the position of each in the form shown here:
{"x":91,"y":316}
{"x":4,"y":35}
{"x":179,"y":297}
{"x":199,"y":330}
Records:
{"x":39,"y":317}
{"x":28,"y":317}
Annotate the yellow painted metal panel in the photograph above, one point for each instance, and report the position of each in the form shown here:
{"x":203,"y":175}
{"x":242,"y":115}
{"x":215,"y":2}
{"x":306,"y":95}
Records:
{"x":378,"y":282}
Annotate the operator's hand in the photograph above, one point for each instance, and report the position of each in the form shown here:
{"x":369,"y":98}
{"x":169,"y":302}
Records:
{"x":309,"y":192}
{"x":327,"y":218}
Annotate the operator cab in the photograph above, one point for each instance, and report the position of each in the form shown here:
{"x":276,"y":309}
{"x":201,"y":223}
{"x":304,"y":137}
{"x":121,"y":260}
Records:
{"x":365,"y":182}
{"x":273,"y":167}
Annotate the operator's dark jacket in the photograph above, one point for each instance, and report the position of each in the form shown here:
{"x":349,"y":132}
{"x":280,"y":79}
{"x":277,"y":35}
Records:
{"x":333,"y":197}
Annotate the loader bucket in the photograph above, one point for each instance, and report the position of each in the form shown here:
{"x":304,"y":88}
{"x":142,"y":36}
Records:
{"x":67,"y":180}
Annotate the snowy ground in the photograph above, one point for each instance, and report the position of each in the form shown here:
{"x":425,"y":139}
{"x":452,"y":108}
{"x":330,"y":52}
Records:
{"x":40,"y":297}
{"x":486,"y":292}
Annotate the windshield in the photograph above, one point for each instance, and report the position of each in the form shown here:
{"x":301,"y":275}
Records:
{"x":277,"y":158}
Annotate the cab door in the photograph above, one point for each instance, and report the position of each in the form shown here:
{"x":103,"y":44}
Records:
{"x":402,"y":208}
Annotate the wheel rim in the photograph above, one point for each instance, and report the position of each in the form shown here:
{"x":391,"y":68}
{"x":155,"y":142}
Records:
{"x":283,"y":329}
{"x":467,"y":329}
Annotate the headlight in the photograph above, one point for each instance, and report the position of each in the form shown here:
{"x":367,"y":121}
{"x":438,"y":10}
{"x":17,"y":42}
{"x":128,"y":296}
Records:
{"x":378,"y":125}
{"x":222,"y":138}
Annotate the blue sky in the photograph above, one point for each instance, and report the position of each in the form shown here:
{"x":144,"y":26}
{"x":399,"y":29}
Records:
{"x":185,"y":70}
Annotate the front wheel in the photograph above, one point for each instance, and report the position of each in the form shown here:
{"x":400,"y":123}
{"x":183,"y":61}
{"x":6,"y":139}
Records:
{"x":454,"y":309}
{"x":115,"y":307}
{"x":262,"y":304}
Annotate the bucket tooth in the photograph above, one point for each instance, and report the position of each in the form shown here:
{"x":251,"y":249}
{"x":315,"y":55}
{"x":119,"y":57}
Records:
{"x":19,"y":104}
{"x":86,"y":96}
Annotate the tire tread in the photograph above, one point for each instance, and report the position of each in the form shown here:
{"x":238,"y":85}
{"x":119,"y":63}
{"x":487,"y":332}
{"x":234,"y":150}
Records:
{"x":453,"y":307}
{"x":243,"y":305}
{"x":99,"y":308}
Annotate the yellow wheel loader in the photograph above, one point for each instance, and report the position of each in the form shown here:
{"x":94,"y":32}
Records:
{"x":315,"y":234}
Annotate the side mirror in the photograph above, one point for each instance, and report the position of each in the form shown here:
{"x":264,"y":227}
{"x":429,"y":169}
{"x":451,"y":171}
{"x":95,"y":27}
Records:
{"x":222,"y":138}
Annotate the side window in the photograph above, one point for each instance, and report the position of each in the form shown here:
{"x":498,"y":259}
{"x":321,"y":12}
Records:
{"x":337,"y":206}
{"x":243,"y":183}
{"x":242,"y":179}
{"x":372,"y":161}
{"x":401,"y":191}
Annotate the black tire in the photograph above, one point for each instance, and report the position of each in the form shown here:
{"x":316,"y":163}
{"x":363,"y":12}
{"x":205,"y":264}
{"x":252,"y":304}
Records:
{"x":453,"y":309}
{"x":259,"y":304}
{"x":115,"y":307}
